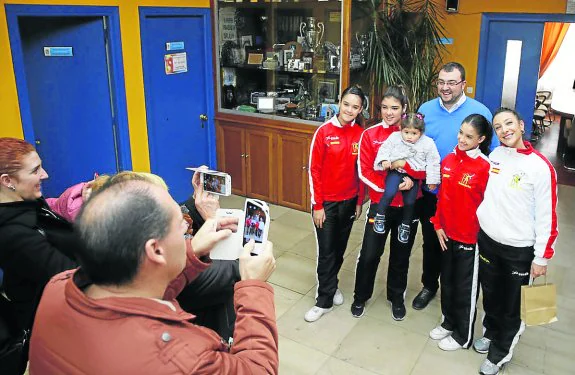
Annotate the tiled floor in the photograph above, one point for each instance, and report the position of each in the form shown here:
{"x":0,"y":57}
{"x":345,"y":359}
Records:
{"x":376,"y":344}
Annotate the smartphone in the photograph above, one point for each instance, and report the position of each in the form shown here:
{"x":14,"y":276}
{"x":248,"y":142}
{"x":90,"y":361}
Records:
{"x":256,"y":224}
{"x":215,"y":182}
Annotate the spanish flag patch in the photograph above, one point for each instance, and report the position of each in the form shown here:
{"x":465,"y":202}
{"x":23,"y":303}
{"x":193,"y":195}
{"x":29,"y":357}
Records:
{"x":371,"y":220}
{"x":446,"y":175}
{"x":495,"y":170}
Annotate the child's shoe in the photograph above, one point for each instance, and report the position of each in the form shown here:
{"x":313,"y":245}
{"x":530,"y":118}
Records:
{"x":403,"y":234}
{"x":379,"y":223}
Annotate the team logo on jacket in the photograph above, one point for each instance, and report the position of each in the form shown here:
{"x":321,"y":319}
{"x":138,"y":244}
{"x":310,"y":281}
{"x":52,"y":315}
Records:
{"x":332,"y":140}
{"x":516,"y":180}
{"x":465,"y":179}
{"x":354,"y":148}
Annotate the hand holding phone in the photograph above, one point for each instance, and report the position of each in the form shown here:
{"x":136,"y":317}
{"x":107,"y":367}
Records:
{"x":214,"y":182}
{"x":256,"y":224}
{"x":231,"y":247}
{"x":260,"y":267}
{"x":208,"y":237}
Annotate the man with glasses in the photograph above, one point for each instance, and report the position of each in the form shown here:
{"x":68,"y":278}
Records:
{"x":443,"y":117}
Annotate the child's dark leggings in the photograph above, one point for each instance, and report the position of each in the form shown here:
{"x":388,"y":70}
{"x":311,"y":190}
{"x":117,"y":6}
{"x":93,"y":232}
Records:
{"x":392,"y":182}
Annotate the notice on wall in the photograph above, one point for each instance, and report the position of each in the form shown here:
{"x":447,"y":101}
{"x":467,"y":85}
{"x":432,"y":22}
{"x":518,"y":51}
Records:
{"x":174,"y":46}
{"x":176,"y":63}
{"x":570,"y":9}
{"x":228,"y":30}
{"x":58,"y":52}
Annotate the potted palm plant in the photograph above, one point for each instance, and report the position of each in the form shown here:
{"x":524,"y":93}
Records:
{"x":405,"y":40}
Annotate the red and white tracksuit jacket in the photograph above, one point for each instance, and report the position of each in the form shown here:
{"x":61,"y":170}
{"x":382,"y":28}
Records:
{"x":369,"y":144}
{"x":464,"y":176}
{"x":332,"y":160}
{"x":520,"y":202}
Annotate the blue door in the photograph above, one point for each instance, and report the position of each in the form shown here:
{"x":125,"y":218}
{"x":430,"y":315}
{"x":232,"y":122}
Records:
{"x":69,"y":94}
{"x":179,"y":93}
{"x":495,"y":36}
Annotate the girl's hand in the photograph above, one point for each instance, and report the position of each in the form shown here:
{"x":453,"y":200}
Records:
{"x":537,"y":270}
{"x":398,"y":164}
{"x":319,"y":217}
{"x":386,"y":164}
{"x":406,"y":184}
{"x":442,"y":237}
{"x":358,"y":209}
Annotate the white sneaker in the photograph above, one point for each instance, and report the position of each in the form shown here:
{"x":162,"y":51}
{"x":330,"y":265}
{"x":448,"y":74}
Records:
{"x":489,"y":368}
{"x":448,"y":344}
{"x":439,"y":333}
{"x":338,"y":298}
{"x":315,"y":313}
{"x":481,"y":345}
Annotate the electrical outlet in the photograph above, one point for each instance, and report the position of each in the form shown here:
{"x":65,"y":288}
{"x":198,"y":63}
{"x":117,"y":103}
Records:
{"x":469,"y":89}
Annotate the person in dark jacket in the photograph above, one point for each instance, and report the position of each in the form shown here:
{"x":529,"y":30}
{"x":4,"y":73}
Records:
{"x":35,"y":242}
{"x":210,"y":297}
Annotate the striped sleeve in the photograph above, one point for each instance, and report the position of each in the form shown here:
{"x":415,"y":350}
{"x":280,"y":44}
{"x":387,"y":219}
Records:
{"x":316,"y":155}
{"x":373,"y":179}
{"x":546,"y":230}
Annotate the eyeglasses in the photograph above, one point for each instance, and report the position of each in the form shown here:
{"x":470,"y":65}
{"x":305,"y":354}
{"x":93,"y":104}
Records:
{"x":448,"y":83}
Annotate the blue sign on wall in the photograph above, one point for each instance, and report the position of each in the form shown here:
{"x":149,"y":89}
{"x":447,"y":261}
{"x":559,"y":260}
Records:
{"x":58,"y":51}
{"x":174,"y":46}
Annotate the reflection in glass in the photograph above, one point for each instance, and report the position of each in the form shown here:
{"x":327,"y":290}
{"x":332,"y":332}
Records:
{"x":511,"y":73}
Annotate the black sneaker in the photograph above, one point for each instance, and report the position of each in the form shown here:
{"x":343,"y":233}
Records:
{"x":379,"y":223}
{"x":398,"y":310}
{"x":421,"y":301}
{"x":403,"y":233}
{"x":357,"y":309}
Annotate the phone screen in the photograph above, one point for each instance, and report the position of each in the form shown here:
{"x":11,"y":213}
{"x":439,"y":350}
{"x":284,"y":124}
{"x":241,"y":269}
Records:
{"x":214,"y":183}
{"x":255,"y":221}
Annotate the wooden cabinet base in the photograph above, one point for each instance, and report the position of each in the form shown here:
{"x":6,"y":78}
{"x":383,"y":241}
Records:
{"x":267,"y":163}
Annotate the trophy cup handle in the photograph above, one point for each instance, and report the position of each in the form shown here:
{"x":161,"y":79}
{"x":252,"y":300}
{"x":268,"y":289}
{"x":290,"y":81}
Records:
{"x":320,"y":26}
{"x":302,"y":29}
{"x":357,"y":37}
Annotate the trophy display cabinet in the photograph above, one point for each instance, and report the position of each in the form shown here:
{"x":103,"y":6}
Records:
{"x":281,"y":66}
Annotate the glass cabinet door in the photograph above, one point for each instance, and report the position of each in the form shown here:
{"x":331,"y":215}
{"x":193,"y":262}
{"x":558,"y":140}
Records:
{"x":279,"y":58}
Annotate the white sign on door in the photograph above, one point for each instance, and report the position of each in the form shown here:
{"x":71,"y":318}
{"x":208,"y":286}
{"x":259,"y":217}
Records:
{"x":176,"y":63}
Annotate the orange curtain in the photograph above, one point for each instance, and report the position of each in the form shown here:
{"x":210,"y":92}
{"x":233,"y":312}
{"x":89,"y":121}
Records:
{"x":553,"y":36}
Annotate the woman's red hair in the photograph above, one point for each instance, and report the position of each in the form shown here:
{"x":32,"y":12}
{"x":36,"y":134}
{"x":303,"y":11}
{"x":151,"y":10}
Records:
{"x":12,"y":151}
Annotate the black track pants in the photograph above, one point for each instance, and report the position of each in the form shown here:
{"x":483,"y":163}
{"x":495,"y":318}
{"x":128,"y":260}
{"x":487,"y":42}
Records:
{"x":372,"y":250}
{"x":425,"y":208}
{"x":459,"y":288}
{"x":332,"y":242}
{"x":502,"y":271}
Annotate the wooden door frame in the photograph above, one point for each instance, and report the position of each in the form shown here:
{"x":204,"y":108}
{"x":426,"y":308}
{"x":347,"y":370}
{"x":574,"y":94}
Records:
{"x":14,"y":11}
{"x":205,"y":14}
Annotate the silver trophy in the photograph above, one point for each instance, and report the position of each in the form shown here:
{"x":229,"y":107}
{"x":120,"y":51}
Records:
{"x":312,"y":33}
{"x":363,"y":46}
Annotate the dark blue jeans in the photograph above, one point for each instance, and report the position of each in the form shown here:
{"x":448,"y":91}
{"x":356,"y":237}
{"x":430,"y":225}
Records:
{"x":392,"y":182}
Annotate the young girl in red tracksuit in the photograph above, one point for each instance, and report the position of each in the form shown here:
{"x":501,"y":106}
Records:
{"x":464,"y":175}
{"x":393,"y":105}
{"x":336,"y":195}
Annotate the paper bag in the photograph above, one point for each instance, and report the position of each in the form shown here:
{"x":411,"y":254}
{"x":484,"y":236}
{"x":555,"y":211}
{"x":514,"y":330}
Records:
{"x":539,"y":304}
